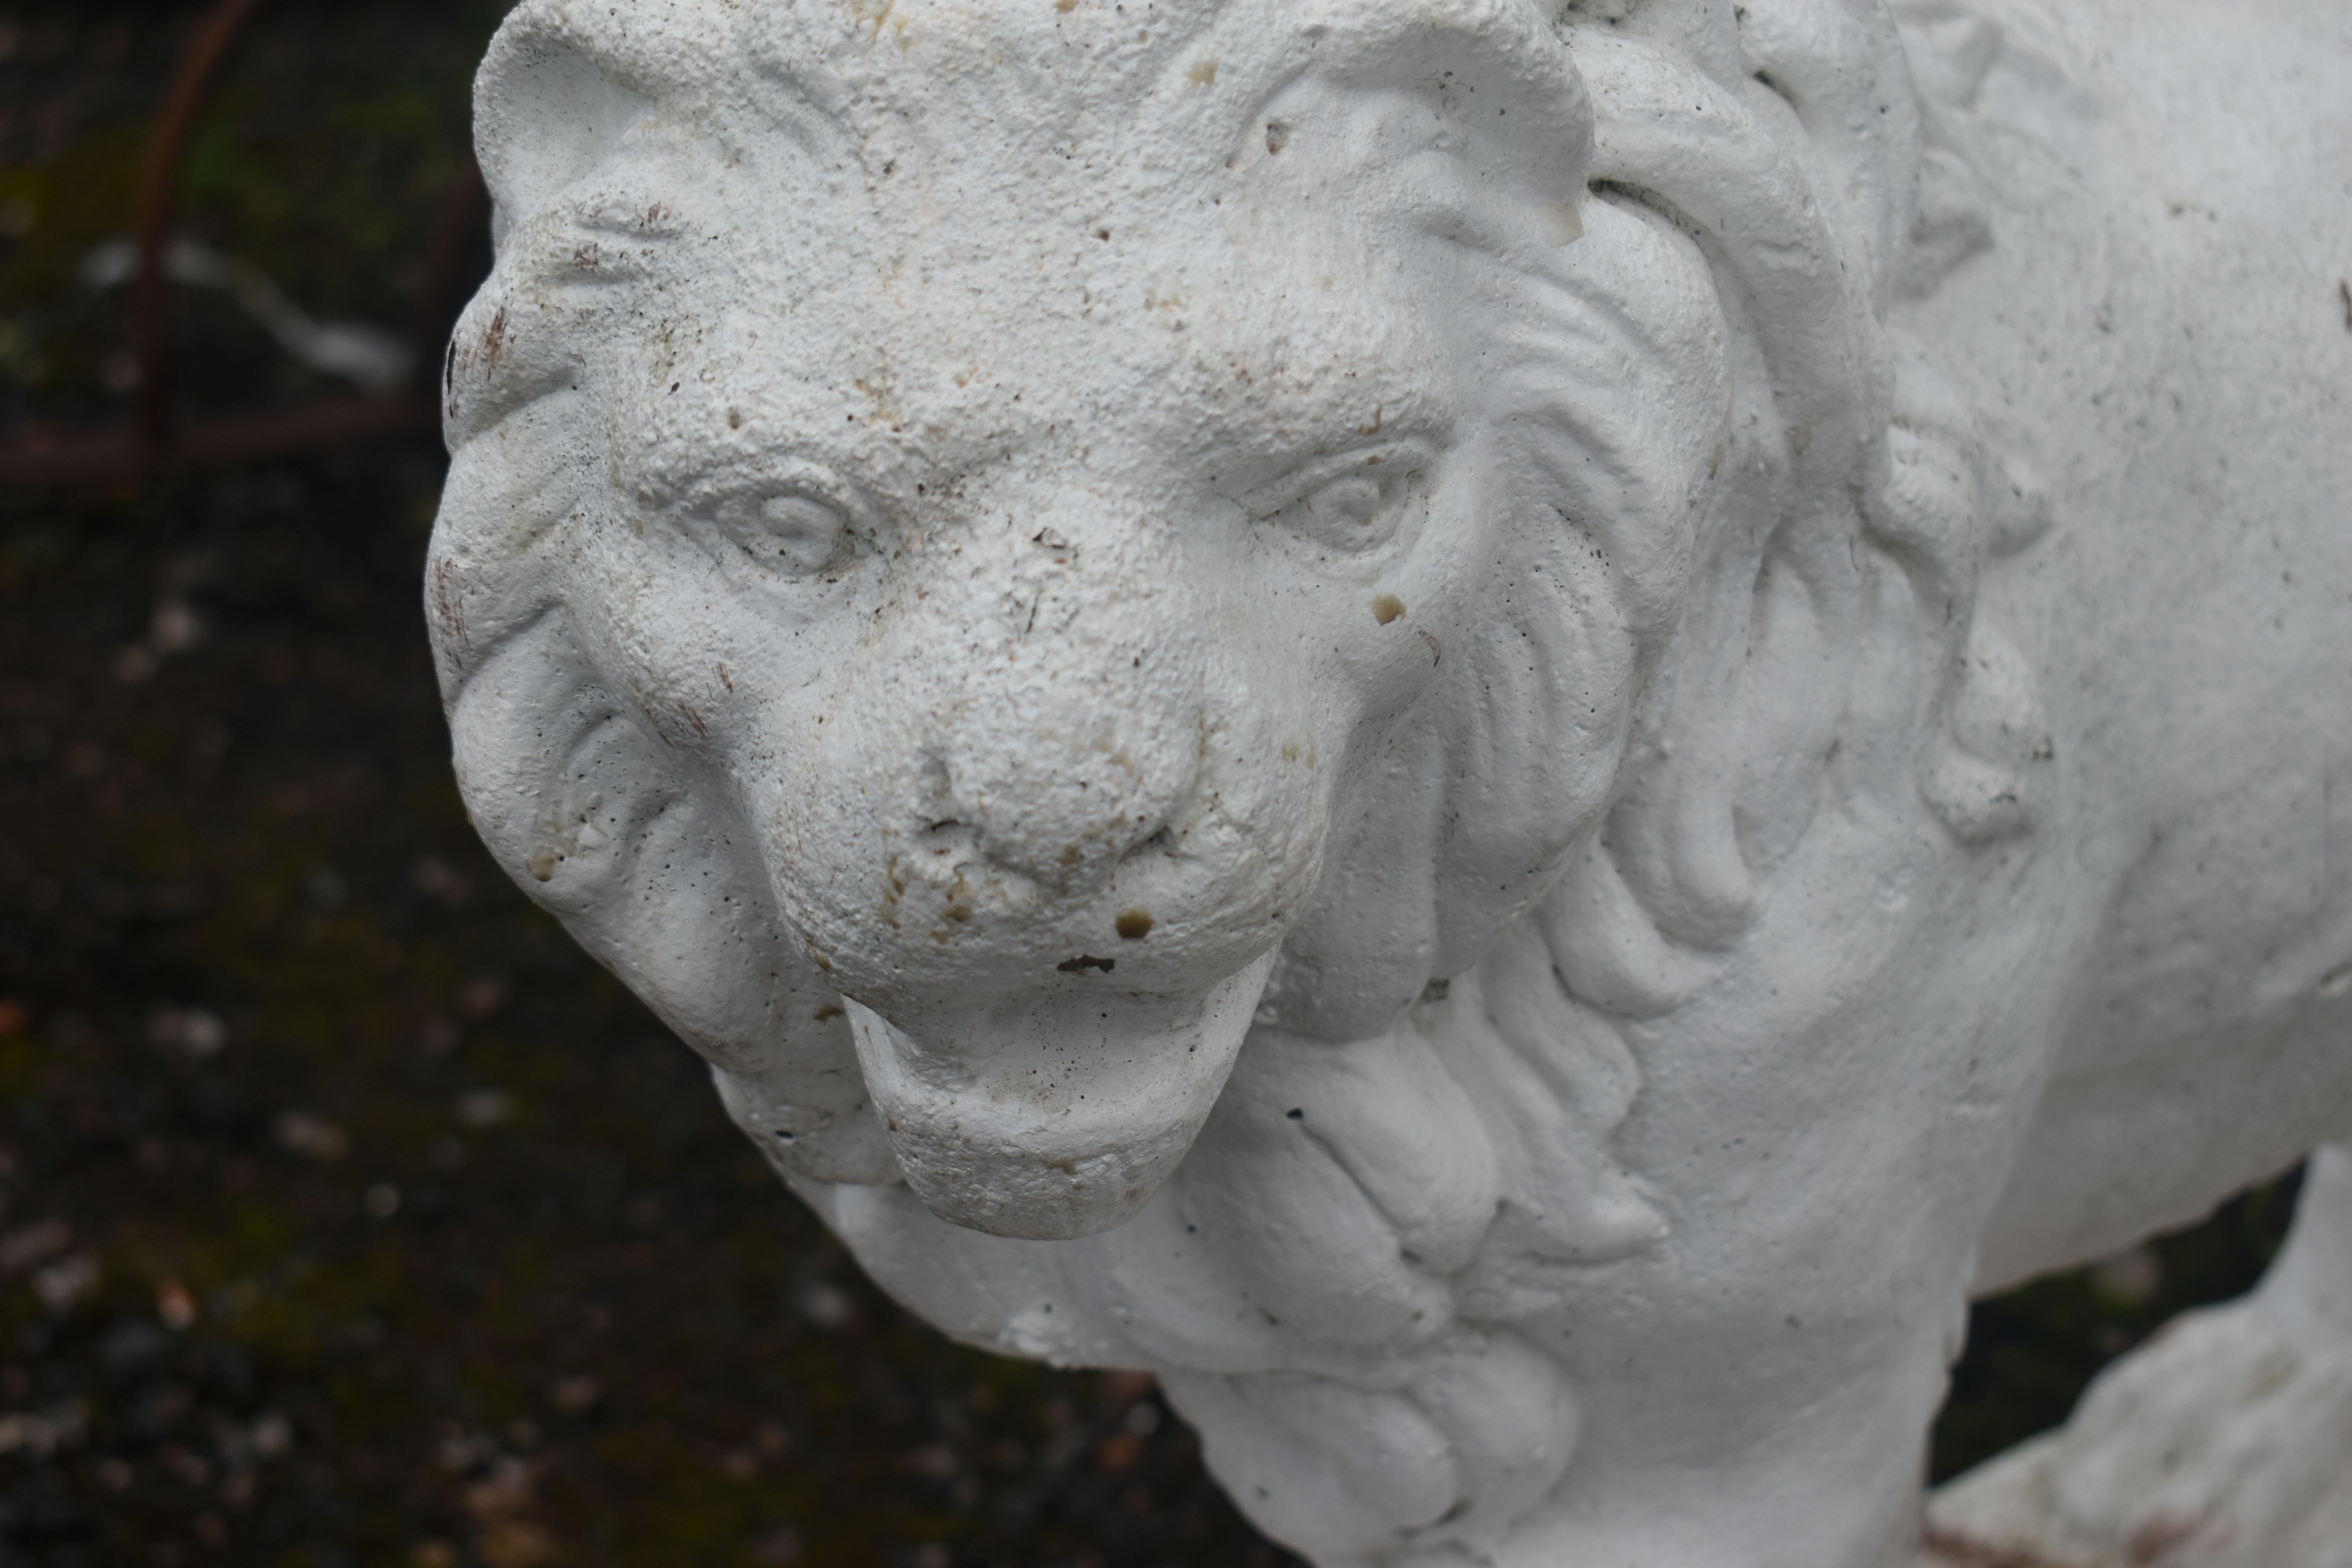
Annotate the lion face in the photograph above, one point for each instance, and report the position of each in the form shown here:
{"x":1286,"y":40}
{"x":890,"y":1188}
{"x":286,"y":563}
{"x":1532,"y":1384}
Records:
{"x":1040,"y":707}
{"x":1013,"y":528}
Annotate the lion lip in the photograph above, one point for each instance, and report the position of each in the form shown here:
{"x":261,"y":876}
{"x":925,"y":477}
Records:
{"x":1054,"y":1116}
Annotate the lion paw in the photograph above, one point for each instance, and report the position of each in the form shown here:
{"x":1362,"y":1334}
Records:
{"x":2225,"y":1443}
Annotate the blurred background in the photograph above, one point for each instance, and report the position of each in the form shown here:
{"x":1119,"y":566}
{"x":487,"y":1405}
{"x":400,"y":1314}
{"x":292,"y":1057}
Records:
{"x":348,"y":1214}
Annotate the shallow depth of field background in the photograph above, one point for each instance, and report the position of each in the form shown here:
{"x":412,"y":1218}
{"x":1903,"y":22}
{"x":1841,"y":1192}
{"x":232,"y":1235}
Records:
{"x":348,"y":1214}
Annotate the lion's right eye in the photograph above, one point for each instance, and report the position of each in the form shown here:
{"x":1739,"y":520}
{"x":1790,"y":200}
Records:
{"x":789,"y":531}
{"x":1351,"y":509}
{"x":1359,"y":509}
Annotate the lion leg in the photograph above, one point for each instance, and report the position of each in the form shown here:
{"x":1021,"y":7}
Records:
{"x":2226,"y":1442}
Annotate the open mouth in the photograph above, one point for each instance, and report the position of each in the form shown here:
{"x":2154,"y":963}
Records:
{"x":1054,"y":1116}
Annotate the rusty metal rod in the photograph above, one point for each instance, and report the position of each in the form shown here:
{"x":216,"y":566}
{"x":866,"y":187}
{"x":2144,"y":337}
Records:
{"x":159,"y":186}
{"x":117,"y":456}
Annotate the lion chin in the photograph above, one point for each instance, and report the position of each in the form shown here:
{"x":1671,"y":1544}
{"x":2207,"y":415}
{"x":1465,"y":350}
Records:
{"x":1051,"y":1117}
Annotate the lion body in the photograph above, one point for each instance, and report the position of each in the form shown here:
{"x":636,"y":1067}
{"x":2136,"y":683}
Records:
{"x":2209,"y":654}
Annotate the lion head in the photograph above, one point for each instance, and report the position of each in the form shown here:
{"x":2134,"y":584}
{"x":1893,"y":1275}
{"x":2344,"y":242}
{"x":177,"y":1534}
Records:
{"x":991,"y":549}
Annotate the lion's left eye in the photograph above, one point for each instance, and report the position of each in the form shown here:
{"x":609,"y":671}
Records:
{"x":789,"y":532}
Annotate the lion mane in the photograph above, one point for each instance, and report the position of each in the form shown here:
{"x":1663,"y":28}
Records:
{"x":1679,"y":677}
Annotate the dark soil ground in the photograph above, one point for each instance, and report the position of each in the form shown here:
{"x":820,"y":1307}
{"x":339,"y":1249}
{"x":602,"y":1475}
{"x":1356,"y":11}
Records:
{"x":348,"y":1214}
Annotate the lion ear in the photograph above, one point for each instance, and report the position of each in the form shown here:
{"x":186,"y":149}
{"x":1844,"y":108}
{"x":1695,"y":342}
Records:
{"x":1507,"y":100}
{"x":549,"y":106}
{"x":643,"y":858}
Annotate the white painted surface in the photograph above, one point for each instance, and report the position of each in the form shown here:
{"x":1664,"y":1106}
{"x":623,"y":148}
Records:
{"x":1498,"y":735}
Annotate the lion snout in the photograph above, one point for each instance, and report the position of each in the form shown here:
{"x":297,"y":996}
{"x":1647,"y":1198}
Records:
{"x":1023,"y":747}
{"x":1063,"y":812}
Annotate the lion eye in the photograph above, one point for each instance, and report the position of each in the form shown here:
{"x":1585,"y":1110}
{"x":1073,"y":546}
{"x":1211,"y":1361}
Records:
{"x":792,"y":533}
{"x":1351,"y":501}
{"x":1357,"y":512}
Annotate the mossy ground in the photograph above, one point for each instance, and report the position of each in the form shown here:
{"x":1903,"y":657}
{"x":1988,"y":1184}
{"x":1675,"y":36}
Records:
{"x":351,"y":1216}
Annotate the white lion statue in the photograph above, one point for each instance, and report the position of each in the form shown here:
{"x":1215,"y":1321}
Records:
{"x":1501,"y":732}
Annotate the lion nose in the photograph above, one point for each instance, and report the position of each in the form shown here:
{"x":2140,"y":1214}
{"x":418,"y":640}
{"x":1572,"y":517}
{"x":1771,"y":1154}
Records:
{"x":1063,"y":798}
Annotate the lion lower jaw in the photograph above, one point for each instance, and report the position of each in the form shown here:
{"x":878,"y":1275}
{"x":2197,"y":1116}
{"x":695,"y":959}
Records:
{"x":1059,"y":1117}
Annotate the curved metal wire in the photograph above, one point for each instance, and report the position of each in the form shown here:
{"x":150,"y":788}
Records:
{"x":156,"y":438}
{"x":159,"y":189}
